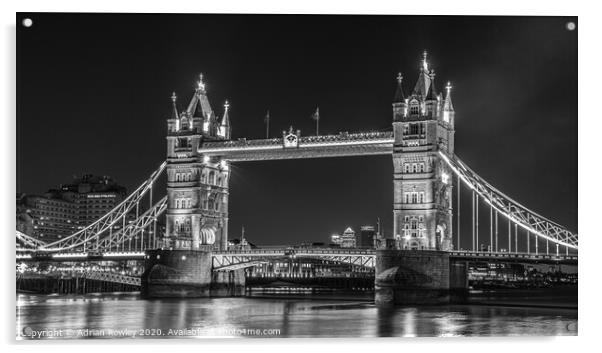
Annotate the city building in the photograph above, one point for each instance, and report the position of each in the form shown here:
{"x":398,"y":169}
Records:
{"x":366,"y":237}
{"x":348,"y":239}
{"x":335,"y":240}
{"x":61,"y":212}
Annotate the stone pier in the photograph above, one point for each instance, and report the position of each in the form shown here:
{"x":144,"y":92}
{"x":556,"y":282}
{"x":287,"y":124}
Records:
{"x":408,"y":277}
{"x":187,"y":274}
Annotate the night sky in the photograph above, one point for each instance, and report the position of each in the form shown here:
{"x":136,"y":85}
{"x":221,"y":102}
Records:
{"x":93,"y":96}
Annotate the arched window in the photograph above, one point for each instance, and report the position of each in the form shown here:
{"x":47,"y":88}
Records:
{"x":414,"y":107}
{"x":414,"y":197}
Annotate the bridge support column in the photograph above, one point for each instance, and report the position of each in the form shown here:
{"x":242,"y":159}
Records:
{"x":458,"y":281}
{"x":406,"y":277}
{"x":187,"y":274}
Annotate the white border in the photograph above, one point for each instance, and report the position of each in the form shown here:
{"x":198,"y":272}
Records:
{"x":589,"y":170}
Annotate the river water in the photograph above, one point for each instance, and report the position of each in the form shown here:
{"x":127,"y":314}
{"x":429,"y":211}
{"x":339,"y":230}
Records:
{"x":126,"y":315}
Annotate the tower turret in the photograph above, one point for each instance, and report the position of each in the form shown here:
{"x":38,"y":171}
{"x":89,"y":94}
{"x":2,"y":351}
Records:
{"x":448,"y":107}
{"x":400,"y":103}
{"x":224,"y":129}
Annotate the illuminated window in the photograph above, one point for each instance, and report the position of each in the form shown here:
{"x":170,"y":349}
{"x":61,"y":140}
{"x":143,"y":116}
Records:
{"x":414,"y":108}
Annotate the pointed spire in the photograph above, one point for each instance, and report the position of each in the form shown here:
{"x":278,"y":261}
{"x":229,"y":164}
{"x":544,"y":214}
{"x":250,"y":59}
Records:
{"x":174,"y":111}
{"x":399,"y":95}
{"x":200,"y":83}
{"x":226,"y":118}
{"x":424,"y":79}
{"x":432,"y":93}
{"x":447,"y":104}
{"x":199,"y":104}
{"x":224,"y":129}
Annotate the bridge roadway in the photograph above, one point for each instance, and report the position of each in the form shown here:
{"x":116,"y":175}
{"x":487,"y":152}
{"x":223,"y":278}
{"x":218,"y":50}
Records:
{"x":234,"y":259}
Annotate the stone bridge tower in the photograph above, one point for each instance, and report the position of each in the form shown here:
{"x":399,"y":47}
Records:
{"x":197,"y":185}
{"x":423,"y":124}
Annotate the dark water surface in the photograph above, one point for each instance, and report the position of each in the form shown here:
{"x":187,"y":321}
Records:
{"x":126,"y":315}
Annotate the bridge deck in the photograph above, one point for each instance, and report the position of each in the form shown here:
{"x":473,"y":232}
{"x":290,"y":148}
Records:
{"x":343,"y":144}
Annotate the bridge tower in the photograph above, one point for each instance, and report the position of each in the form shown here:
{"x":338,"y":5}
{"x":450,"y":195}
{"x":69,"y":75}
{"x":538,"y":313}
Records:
{"x":423,"y":123}
{"x":197,"y":185}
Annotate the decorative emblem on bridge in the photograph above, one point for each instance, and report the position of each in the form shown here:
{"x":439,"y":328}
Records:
{"x":290,"y":139}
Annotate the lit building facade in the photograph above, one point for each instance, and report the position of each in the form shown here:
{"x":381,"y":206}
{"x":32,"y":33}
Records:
{"x":61,"y":212}
{"x":197,"y":185}
{"x":348,"y":239}
{"x":423,"y":124}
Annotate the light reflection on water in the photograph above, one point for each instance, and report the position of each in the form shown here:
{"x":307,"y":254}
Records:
{"x":235,"y":317}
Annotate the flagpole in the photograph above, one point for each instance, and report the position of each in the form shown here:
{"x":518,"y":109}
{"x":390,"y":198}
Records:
{"x":317,"y":121}
{"x":267,"y":126}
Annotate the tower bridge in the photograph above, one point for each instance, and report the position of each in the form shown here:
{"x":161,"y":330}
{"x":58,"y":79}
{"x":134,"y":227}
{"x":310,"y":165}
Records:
{"x":200,"y":151}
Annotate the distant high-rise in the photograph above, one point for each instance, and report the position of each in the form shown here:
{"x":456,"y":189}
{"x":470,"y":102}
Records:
{"x":366,"y":237}
{"x":61,"y":212}
{"x":348,"y":239}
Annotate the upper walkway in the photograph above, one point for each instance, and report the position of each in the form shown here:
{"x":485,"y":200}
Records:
{"x":293,"y":147}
